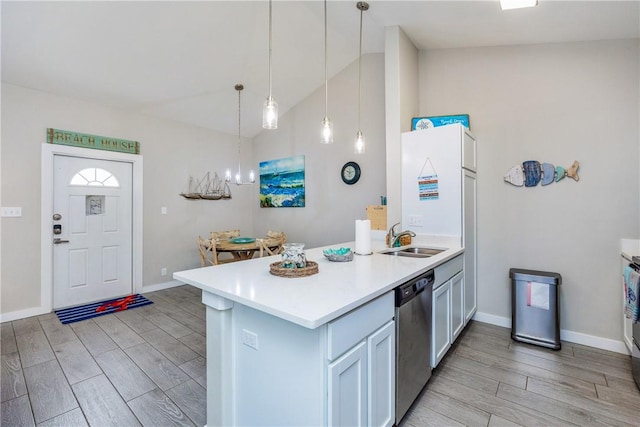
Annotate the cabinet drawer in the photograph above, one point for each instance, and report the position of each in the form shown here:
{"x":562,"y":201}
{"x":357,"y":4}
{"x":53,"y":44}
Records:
{"x":346,"y":331}
{"x":446,"y":271}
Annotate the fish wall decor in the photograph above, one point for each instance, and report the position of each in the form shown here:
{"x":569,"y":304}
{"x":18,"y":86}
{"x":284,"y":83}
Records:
{"x":531,"y":172}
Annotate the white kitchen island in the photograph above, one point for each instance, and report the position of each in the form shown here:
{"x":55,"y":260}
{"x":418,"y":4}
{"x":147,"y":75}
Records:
{"x":316,"y":350}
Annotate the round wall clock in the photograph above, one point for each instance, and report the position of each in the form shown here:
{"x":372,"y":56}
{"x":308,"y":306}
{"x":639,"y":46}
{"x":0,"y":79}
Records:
{"x":350,"y":173}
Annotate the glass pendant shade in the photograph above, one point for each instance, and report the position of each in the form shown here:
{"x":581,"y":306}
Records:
{"x":270,"y":107}
{"x":326,"y":134}
{"x":238,"y":178}
{"x":270,"y":114}
{"x":327,"y":131}
{"x":360,"y":143}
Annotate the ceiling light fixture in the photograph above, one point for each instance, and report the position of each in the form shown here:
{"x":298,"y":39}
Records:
{"x":327,"y":126}
{"x":227,"y":176}
{"x":270,"y":107}
{"x":359,"y":146}
{"x":517,"y":4}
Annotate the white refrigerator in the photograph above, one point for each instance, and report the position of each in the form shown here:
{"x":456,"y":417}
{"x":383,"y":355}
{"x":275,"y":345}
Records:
{"x":439,"y":192}
{"x":433,"y":164}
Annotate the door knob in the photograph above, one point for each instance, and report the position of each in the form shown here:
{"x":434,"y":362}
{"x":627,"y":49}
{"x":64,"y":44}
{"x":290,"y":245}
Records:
{"x":57,"y":241}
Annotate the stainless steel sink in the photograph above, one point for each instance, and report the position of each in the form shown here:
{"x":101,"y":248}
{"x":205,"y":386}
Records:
{"x":414,"y":252}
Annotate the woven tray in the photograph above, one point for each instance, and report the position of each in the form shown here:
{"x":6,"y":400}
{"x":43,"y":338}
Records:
{"x":276,"y":269}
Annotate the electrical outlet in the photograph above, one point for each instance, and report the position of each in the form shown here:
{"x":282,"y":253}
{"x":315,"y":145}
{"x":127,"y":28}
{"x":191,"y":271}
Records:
{"x":250,"y":339}
{"x":11,"y":212}
{"x":163,"y":210}
{"x":415,"y":220}
{"x":163,"y":271}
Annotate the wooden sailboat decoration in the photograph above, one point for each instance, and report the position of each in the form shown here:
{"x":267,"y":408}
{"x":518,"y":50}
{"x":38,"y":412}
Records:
{"x":531,"y":172}
{"x":207,"y":188}
{"x":226,"y":194}
{"x":192,"y":191}
{"x":213,"y":190}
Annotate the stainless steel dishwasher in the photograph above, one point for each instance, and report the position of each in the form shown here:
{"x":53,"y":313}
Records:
{"x":413,"y":340}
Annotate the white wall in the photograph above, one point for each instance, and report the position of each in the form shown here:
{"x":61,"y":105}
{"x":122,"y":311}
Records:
{"x":331,"y":206}
{"x":171,"y":152}
{"x":553,"y":103}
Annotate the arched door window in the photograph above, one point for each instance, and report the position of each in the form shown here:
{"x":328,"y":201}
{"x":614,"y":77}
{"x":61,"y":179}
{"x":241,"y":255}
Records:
{"x":95,"y":177}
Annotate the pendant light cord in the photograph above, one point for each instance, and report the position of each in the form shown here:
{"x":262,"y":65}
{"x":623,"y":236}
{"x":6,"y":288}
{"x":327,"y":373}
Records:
{"x":360,"y":71}
{"x":270,"y":97}
{"x":239,"y":88}
{"x":326,"y":83}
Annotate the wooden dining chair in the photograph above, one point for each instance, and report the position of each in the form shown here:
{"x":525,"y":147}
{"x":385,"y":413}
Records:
{"x":205,"y":250}
{"x":216,"y":237}
{"x":267,"y":247}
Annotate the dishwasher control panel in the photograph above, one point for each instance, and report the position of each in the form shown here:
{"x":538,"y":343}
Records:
{"x":407,"y":290}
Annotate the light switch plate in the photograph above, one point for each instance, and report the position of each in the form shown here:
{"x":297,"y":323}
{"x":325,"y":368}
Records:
{"x":415,"y":220}
{"x":11,"y":212}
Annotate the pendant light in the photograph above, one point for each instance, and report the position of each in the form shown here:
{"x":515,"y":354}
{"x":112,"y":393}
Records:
{"x":270,"y":107}
{"x":327,"y":126}
{"x":359,"y":146}
{"x":227,"y":176}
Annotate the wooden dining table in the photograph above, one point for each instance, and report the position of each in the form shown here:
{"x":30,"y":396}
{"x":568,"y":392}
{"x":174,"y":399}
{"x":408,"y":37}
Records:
{"x":245,"y":251}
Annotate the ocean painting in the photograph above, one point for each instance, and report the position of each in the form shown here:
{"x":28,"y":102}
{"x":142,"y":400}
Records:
{"x":282,"y":183}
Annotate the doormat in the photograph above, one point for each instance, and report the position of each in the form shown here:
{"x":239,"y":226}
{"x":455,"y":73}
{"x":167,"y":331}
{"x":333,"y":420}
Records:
{"x":88,"y":311}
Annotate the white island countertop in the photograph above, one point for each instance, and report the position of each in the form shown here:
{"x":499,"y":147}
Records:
{"x":312,"y":301}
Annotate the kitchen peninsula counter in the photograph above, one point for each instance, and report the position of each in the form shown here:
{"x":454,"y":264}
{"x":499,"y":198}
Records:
{"x":312,"y":301}
{"x":315,"y":350}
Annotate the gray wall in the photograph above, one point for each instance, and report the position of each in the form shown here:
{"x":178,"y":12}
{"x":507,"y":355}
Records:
{"x":331,"y":206}
{"x":553,"y":103}
{"x":171,"y":151}
{"x":401,"y":103}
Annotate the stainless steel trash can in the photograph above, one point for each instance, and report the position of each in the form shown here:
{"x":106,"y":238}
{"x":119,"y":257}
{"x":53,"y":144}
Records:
{"x":535,"y":318}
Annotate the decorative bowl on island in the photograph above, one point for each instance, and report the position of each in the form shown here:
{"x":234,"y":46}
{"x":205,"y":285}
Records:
{"x":338,"y":255}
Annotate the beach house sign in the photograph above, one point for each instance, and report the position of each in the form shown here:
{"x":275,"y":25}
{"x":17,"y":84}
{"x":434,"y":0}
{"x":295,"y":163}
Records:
{"x":65,"y":137}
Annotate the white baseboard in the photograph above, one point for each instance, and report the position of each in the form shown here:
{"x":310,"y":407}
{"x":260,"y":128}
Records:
{"x":565,"y":335}
{"x":491,"y":319}
{"x":505,"y":322}
{"x":21,"y":314}
{"x":593,"y":341}
{"x":160,"y":286}
{"x":37,"y":311}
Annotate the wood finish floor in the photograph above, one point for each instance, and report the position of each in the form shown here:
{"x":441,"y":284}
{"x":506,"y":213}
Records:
{"x":487,"y":379}
{"x":143,"y":366}
{"x":146,"y":366}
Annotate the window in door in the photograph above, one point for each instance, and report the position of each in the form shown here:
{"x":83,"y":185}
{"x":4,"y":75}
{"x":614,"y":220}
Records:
{"x":94,"y":177}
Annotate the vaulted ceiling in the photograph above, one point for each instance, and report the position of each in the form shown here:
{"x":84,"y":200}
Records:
{"x":180,"y":60}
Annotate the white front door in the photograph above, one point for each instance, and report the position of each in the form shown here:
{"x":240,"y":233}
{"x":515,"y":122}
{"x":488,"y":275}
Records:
{"x":92,"y":230}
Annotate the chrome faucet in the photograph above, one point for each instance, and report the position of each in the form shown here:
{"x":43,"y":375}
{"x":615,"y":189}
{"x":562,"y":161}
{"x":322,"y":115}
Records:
{"x":394,"y":238}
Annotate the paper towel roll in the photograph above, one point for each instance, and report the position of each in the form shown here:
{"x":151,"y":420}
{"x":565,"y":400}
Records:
{"x":363,"y":237}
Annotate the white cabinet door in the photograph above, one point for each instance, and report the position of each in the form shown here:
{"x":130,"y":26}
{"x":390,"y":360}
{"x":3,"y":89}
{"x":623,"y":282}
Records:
{"x":347,"y":404}
{"x":382,"y":376}
{"x":469,"y":240}
{"x":441,"y":316}
{"x":457,"y":305}
{"x":627,"y":324}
